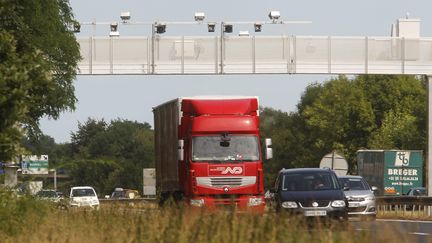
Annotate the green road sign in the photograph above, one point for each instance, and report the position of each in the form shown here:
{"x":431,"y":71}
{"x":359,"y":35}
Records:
{"x":34,"y":164}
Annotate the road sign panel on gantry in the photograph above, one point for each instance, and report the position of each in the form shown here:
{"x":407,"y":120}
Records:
{"x":255,"y":54}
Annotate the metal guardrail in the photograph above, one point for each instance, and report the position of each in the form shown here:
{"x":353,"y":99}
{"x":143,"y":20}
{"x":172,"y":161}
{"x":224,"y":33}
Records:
{"x":404,"y":203}
{"x":404,"y":200}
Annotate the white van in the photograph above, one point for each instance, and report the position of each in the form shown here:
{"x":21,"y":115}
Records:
{"x":84,"y":196}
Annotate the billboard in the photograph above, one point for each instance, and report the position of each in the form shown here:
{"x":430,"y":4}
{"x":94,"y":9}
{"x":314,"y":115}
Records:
{"x":402,"y":171}
{"x":34,"y":164}
{"x":394,"y":172}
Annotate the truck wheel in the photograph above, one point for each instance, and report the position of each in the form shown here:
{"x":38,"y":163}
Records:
{"x":162,"y":199}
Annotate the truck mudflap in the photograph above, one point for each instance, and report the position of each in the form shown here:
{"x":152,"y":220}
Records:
{"x":247,"y":203}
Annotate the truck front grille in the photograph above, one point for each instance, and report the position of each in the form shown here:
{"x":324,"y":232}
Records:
{"x":226,"y":181}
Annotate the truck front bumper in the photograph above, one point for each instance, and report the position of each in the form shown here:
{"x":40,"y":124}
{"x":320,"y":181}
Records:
{"x":246,"y":203}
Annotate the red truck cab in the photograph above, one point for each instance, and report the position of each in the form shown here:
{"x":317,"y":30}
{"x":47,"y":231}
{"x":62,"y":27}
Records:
{"x":216,"y":160}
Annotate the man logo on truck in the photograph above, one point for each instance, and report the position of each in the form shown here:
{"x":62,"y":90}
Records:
{"x":402,"y":158}
{"x":225,"y":170}
{"x":234,"y":171}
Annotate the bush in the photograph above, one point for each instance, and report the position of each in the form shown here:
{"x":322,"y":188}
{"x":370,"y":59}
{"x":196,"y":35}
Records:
{"x":19,"y":213}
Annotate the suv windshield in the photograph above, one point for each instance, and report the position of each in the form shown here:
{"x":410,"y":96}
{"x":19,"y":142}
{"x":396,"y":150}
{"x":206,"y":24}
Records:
{"x":83,"y":193}
{"x":354,"y":184}
{"x":219,"y":148}
{"x":309,"y":181}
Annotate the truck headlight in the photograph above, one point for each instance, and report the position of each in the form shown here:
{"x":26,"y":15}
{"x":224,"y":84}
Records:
{"x":338,"y":204}
{"x":370,"y":198}
{"x":197,"y":202}
{"x":255,"y":201}
{"x":289,"y":204}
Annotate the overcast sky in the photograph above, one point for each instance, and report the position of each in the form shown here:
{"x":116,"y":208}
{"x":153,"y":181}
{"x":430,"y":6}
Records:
{"x":132,"y":97}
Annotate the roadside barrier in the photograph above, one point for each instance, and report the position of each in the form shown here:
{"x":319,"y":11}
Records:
{"x":404,"y":204}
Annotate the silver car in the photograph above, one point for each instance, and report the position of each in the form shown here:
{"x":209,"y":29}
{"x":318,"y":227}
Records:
{"x":360,"y":196}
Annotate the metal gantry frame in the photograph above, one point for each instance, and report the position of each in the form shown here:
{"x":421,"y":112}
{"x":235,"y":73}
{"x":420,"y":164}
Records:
{"x":255,"y":54}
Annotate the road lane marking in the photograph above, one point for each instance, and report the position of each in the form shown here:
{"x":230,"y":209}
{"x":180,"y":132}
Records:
{"x":418,"y":233}
{"x":360,"y":229}
{"x":403,"y":220}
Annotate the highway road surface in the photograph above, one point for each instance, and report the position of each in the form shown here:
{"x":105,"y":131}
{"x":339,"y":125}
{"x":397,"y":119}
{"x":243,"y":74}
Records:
{"x":404,"y":230}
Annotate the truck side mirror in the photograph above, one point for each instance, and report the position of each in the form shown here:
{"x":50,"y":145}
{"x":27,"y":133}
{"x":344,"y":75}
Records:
{"x":269,"y":150}
{"x":374,"y":188}
{"x":180,"y":150}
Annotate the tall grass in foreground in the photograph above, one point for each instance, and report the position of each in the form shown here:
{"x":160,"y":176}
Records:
{"x":173,"y":224}
{"x":18,"y":212}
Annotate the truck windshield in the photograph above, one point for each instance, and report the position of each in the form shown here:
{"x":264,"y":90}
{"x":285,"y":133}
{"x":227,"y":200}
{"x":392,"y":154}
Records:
{"x":238,"y":148}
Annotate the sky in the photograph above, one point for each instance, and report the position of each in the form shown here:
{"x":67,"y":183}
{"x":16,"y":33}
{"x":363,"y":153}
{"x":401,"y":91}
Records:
{"x":131,"y":97}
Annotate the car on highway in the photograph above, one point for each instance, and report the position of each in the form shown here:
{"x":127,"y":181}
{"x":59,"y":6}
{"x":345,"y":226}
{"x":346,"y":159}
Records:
{"x":417,"y":192}
{"x":122,"y":193}
{"x":84,"y":196}
{"x":311,"y":192}
{"x":49,"y":195}
{"x":360,"y":196}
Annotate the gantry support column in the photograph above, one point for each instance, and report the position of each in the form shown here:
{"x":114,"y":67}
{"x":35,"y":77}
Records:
{"x":429,"y":146}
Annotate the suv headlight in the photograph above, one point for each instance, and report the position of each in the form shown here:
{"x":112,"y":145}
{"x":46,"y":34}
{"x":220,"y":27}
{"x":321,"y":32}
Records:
{"x":255,"y":201}
{"x":370,"y":198}
{"x":197,"y":202}
{"x":338,"y":204}
{"x":289,"y":204}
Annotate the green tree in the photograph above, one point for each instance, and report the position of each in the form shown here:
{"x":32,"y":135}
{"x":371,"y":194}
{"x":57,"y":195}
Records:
{"x":128,"y":144}
{"x":368,"y":111}
{"x":285,"y":130}
{"x":38,"y":59}
{"x":82,"y":140}
{"x":393,"y":92}
{"x":400,"y":107}
{"x":93,"y":172}
{"x":398,"y":130}
{"x":17,"y":75}
{"x":45,"y":144}
{"x":340,"y":118}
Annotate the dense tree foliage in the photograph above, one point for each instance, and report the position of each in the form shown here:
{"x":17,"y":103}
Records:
{"x":38,"y":59}
{"x":104,"y":155}
{"x":345,"y":115}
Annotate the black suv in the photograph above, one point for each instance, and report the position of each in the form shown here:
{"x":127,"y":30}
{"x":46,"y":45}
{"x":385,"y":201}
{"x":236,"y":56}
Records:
{"x":311,"y":192}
